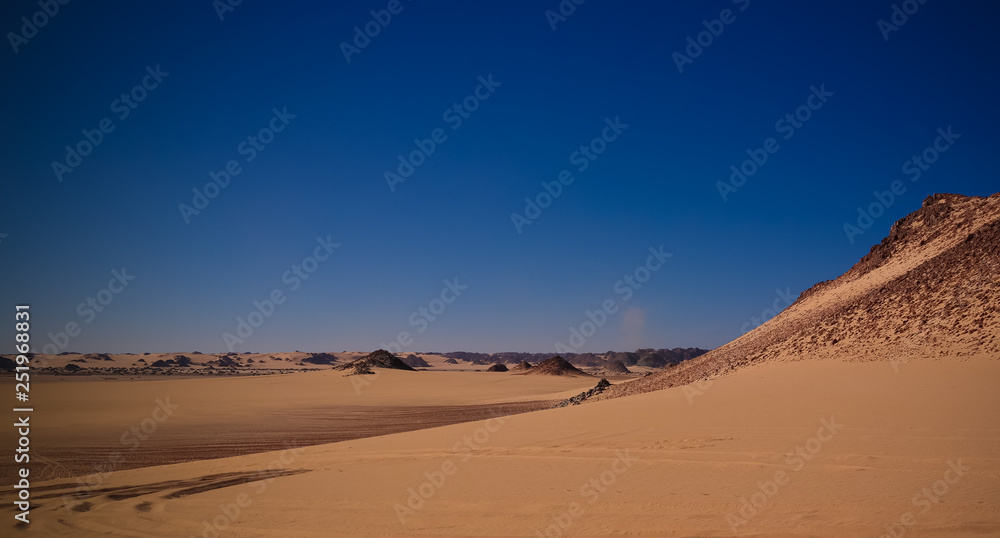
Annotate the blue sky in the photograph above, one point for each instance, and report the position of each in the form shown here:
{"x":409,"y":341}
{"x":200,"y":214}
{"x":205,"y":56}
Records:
{"x":323,"y":174}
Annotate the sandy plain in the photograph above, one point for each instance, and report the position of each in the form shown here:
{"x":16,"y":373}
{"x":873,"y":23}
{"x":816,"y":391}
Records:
{"x":800,"y":448}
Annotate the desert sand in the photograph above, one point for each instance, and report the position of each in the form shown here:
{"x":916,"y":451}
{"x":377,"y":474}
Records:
{"x":678,"y":462}
{"x":85,"y":422}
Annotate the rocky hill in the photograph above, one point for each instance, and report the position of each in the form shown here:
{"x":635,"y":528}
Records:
{"x":416,"y":361}
{"x":555,"y":366}
{"x":930,"y":289}
{"x":379,"y":358}
{"x":615,"y":367}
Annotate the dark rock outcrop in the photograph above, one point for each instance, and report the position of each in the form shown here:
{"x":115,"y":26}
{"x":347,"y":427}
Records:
{"x":379,"y":358}
{"x":615,"y":367}
{"x":556,"y":366}
{"x":579,"y":398}
{"x":327,"y":359}
{"x":416,"y":361}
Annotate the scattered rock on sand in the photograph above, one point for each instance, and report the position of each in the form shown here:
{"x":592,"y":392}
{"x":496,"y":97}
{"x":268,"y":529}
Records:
{"x":579,"y":398}
{"x":225,"y":361}
{"x":522,"y":367}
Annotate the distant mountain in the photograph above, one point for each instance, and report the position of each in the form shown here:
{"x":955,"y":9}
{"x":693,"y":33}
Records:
{"x":655,"y":358}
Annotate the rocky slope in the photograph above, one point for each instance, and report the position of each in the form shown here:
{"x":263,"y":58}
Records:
{"x":930,"y":289}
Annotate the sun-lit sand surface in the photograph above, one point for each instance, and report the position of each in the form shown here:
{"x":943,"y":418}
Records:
{"x":82,"y":422}
{"x":875,"y":437}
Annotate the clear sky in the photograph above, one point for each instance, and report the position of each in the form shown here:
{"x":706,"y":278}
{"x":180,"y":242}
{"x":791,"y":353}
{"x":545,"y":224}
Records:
{"x":528,"y":97}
